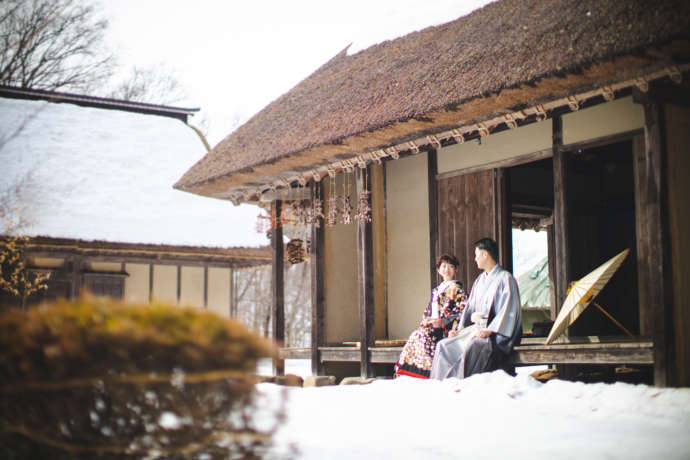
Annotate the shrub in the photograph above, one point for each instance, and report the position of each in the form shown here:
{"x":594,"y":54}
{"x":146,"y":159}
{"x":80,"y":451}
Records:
{"x":95,"y":378}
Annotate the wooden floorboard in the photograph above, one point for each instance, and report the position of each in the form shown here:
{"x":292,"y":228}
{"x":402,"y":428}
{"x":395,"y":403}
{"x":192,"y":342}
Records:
{"x":581,"y":350}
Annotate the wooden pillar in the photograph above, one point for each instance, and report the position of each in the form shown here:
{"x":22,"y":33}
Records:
{"x":642,"y":238}
{"x":502,"y":221}
{"x":560,"y":215}
{"x":150,"y":283}
{"x":205,"y":286}
{"x":317,"y":291}
{"x":76,"y":276}
{"x":432,"y":172}
{"x":179,"y":284}
{"x":365,"y":264}
{"x":278,"y":280}
{"x":653,"y":208}
{"x":233,"y":293}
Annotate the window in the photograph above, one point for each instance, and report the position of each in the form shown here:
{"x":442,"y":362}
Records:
{"x":105,"y":284}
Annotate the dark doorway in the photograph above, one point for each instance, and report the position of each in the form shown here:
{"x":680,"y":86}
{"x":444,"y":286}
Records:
{"x":601,"y":220}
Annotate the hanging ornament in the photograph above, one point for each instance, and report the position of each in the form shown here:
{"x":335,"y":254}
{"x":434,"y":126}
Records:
{"x":317,"y":206}
{"x":363,"y":207}
{"x":332,"y":215}
{"x":296,"y":251}
{"x":263,"y":223}
{"x":346,"y":216}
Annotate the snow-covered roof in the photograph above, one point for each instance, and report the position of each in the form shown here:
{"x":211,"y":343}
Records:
{"x":95,"y":174}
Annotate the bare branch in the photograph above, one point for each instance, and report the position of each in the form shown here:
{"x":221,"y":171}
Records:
{"x":52,"y":44}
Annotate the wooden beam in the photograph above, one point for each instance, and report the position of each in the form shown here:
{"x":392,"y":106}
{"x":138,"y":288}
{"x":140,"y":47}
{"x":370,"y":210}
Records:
{"x":278,"y":285}
{"x":560,"y":215}
{"x":432,"y":172}
{"x":365,"y":264}
{"x":660,"y":289}
{"x":318,"y":298}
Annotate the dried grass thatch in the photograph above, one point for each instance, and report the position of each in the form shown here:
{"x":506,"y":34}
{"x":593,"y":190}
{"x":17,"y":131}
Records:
{"x":506,"y":56}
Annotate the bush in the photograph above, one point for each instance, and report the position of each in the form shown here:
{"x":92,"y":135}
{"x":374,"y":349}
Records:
{"x":98,"y":379}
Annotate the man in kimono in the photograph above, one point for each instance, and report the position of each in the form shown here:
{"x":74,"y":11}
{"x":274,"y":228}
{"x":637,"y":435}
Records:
{"x":494,"y":308}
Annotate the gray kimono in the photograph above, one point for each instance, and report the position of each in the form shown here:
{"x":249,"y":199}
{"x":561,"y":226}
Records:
{"x":495,"y":296}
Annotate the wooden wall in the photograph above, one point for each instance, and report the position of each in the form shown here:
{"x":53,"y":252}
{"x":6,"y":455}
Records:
{"x":466,"y":214}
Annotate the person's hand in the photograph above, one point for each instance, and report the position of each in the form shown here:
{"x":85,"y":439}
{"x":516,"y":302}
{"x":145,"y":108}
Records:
{"x":453,"y":333}
{"x":483,"y":333}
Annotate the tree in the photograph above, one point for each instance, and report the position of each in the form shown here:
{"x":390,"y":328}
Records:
{"x":15,"y":277}
{"x":156,"y":84}
{"x":52,"y":44}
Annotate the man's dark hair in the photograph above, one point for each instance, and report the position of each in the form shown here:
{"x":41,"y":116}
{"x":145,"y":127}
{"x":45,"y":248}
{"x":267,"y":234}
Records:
{"x":488,"y":245}
{"x":449,"y":259}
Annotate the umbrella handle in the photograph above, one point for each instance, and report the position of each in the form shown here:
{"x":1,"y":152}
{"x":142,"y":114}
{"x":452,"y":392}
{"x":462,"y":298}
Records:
{"x":612,"y":318}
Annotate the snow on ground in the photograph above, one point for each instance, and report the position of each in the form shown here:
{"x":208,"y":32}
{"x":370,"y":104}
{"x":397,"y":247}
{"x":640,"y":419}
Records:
{"x":486,"y":416}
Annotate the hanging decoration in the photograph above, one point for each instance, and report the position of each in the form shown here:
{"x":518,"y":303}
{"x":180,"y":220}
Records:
{"x":263,"y":223}
{"x":332,"y":215}
{"x":296,"y":251}
{"x":346,"y":211}
{"x":317,"y":206}
{"x":363,"y":207}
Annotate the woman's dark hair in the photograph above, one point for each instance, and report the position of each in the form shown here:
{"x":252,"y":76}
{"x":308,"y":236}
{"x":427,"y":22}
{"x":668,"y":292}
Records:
{"x":488,"y":245}
{"x":449,"y":259}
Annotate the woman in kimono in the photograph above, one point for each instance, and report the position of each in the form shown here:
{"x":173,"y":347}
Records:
{"x":439,"y":317}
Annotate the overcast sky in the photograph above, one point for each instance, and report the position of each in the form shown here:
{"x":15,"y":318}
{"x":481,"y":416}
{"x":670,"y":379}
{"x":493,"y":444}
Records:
{"x":235,"y":57}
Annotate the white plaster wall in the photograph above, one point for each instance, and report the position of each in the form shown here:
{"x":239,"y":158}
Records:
{"x":219,"y":291}
{"x":165,"y":283}
{"x":47,"y":262}
{"x":111,"y":267}
{"x":137,"y":283}
{"x":192,"y":291}
{"x":407,"y":213}
{"x":340,"y":286}
{"x":617,"y":116}
{"x":496,"y":147}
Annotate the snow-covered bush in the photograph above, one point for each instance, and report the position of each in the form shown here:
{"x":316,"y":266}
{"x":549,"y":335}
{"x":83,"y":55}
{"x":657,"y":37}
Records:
{"x":95,"y":378}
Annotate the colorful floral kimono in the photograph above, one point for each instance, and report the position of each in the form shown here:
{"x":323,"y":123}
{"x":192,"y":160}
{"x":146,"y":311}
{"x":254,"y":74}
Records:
{"x":418,"y":353}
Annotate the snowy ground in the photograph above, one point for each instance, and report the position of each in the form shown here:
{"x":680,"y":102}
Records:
{"x":486,"y":416}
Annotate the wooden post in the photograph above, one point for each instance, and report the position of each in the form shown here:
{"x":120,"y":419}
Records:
{"x":503,"y":221}
{"x":365,"y":270}
{"x":179,"y":283}
{"x":432,"y":172}
{"x":278,"y":280}
{"x":76,"y":276}
{"x":317,"y":291}
{"x":150,"y":283}
{"x":659,"y":288}
{"x":233,"y":294}
{"x":205,"y":286}
{"x":560,"y":215}
{"x":641,"y":237}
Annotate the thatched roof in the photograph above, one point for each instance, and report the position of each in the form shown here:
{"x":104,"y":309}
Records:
{"x":507,"y":56}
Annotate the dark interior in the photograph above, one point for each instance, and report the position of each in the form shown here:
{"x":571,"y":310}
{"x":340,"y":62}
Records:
{"x":601,"y":223}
